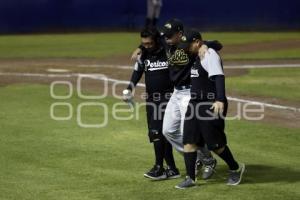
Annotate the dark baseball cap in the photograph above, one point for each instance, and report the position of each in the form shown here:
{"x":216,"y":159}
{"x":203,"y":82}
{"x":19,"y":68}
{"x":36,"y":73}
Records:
{"x":171,"y":27}
{"x":189,"y":37}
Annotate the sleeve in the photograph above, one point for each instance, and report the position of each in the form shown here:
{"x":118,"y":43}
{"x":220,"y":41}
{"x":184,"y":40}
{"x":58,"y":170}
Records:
{"x":212,"y":63}
{"x":214,"y":44}
{"x":220,"y":87}
{"x":136,"y":75}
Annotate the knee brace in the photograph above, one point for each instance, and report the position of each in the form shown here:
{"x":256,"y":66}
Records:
{"x":155,"y":135}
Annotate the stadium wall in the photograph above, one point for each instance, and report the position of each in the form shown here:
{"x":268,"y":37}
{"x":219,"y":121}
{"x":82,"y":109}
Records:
{"x":59,"y":15}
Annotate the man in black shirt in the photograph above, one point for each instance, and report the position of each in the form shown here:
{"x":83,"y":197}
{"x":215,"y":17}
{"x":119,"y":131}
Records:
{"x":204,"y":120}
{"x":180,"y":64}
{"x":154,"y":64}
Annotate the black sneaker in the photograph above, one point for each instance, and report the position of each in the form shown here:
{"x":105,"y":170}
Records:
{"x":187,"y":183}
{"x":156,"y":173}
{"x":235,"y":176}
{"x":209,"y":169}
{"x":172,"y":173}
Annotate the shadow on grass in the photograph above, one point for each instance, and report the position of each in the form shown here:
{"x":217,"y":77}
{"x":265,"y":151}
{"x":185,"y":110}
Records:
{"x":260,"y":174}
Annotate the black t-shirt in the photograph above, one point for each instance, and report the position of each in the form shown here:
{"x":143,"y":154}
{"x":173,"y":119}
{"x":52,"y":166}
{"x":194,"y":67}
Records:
{"x":155,"y":67}
{"x":179,"y":66}
{"x":180,"y":62}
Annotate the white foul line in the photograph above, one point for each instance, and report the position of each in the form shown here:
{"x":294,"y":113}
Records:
{"x":225,"y":66}
{"x":58,"y":70}
{"x":105,"y":78}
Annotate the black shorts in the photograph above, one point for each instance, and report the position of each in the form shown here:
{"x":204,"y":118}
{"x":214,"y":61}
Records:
{"x":155,"y":110}
{"x":200,"y":127}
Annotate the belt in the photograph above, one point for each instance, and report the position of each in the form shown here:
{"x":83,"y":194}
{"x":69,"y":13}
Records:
{"x":183,"y":87}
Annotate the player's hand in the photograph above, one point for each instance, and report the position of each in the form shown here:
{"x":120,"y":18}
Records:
{"x":127,"y":95}
{"x":135,"y":55}
{"x":218,"y":107}
{"x":202,"y":51}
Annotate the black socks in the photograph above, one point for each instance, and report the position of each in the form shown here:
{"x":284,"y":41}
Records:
{"x":169,"y":157}
{"x":190,"y":162}
{"x":227,"y":156}
{"x":163,"y":150}
{"x":159,"y":150}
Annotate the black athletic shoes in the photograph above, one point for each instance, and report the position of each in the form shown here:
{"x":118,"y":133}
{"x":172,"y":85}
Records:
{"x":156,"y":173}
{"x":235,"y":177}
{"x":187,"y":183}
{"x":159,"y":173}
{"x":172,"y":173}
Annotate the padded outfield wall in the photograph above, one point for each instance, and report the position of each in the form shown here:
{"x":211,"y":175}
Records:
{"x":48,"y":15}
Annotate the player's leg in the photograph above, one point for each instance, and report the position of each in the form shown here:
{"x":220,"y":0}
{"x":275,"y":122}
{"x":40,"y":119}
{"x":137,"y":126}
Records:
{"x":215,"y":138}
{"x":204,"y":157}
{"x":171,"y":170}
{"x":171,"y":123}
{"x":190,"y":156}
{"x":157,"y":172}
{"x":156,"y":14}
{"x":191,"y":137}
{"x":236,"y":170}
{"x":150,"y":13}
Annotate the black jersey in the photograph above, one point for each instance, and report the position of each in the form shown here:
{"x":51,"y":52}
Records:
{"x":207,"y":78}
{"x":155,"y":67}
{"x":180,"y":63}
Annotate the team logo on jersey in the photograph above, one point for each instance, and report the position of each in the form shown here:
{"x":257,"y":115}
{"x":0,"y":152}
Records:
{"x":183,"y":38}
{"x":194,"y":73}
{"x":157,"y":65}
{"x":179,"y":58}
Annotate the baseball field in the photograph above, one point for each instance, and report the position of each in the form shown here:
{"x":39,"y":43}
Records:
{"x":46,"y":154}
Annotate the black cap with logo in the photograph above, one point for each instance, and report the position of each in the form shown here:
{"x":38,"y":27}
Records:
{"x":188,"y":37}
{"x":171,"y":27}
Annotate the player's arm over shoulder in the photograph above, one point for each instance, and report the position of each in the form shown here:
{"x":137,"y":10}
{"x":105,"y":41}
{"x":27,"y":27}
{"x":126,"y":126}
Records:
{"x":216,"y":73}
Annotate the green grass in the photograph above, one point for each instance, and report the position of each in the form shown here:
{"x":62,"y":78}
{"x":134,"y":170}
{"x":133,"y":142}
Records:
{"x":99,"y":45}
{"x":291,"y":53}
{"x":282,"y":83}
{"x":67,"y":45}
{"x":250,"y":37}
{"x":46,"y":159}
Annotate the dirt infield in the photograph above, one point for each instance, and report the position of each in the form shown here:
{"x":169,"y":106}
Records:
{"x":273,"y":116}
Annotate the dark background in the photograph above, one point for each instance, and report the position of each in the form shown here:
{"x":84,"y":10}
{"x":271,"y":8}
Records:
{"x":91,"y":15}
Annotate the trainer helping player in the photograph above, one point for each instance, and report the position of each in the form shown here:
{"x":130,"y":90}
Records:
{"x":180,"y":65}
{"x":204,"y":120}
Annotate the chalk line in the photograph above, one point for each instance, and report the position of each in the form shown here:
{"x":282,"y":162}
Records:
{"x":105,"y":78}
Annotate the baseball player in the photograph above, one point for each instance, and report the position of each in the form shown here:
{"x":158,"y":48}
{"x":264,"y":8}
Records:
{"x":179,"y":66}
{"x":204,"y":120}
{"x":153,"y":63}
{"x":153,"y":12}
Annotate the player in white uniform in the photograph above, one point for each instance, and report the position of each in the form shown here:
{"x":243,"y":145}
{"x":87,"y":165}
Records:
{"x":204,"y":122}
